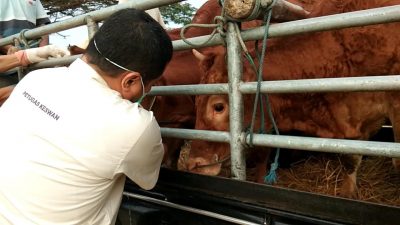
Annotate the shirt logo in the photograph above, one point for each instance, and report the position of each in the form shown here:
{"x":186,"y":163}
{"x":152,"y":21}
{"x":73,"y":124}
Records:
{"x":44,"y":108}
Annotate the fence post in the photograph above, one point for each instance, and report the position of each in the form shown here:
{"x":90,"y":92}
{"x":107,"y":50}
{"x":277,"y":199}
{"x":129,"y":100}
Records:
{"x":92,"y":26}
{"x":234,"y":63}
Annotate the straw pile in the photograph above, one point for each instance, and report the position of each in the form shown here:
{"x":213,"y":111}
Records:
{"x":322,"y":173}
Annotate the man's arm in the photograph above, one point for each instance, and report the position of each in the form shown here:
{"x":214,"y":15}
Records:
{"x":28,"y":56}
{"x":142,"y":163}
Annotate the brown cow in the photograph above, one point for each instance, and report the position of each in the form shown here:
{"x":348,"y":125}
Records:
{"x":179,"y":111}
{"x":371,"y":50}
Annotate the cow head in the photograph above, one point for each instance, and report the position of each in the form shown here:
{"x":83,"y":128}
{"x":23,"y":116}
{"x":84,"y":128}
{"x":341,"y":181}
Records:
{"x":212,"y":112}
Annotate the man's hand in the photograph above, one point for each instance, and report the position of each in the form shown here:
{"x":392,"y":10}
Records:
{"x":35,"y":55}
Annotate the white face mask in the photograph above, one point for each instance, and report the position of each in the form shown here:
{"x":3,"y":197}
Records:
{"x":121,"y":67}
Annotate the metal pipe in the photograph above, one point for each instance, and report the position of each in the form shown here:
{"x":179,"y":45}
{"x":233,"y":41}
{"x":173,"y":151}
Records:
{"x":332,"y":22}
{"x":92,"y":26}
{"x":371,"y":83}
{"x":373,"y":148}
{"x":236,"y":112}
{"x":64,"y":61}
{"x":189,"y":209}
{"x":97,"y":16}
{"x":216,"y":136}
{"x":194,"y":89}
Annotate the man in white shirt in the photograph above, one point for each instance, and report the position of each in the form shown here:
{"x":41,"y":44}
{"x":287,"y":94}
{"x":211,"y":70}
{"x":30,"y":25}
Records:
{"x":69,"y":136}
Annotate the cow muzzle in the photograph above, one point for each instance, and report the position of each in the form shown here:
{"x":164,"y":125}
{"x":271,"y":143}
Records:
{"x":211,"y":166}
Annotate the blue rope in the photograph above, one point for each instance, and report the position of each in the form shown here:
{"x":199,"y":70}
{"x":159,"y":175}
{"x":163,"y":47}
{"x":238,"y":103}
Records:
{"x":271,"y":177}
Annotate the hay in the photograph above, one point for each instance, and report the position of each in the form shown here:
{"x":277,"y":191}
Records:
{"x":377,"y":179}
{"x":323,"y":173}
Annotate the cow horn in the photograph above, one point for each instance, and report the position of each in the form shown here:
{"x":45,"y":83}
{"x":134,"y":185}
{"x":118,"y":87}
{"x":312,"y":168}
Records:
{"x":287,"y":11}
{"x":200,"y":56}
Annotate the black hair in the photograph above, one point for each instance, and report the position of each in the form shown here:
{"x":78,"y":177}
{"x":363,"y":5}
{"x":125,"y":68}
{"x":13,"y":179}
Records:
{"x":134,"y":40}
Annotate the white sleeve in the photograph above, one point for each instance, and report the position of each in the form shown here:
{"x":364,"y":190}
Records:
{"x":142,"y":163}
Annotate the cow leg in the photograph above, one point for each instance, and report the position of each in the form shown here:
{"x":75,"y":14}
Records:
{"x":351,"y":164}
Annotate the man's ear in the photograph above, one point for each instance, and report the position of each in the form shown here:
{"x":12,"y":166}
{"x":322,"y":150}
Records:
{"x":129,"y":79}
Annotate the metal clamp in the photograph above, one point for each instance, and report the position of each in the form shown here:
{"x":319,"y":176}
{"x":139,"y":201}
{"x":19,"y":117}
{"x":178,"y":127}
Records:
{"x":239,"y":10}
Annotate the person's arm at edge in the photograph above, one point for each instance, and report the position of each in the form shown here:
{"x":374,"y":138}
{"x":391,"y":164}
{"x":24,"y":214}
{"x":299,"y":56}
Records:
{"x":8,"y":62}
{"x":28,"y":56}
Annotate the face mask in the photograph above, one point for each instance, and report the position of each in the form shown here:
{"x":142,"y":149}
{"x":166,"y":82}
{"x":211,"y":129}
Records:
{"x":121,"y":67}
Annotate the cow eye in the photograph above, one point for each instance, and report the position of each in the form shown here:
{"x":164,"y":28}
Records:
{"x":219,"y":107}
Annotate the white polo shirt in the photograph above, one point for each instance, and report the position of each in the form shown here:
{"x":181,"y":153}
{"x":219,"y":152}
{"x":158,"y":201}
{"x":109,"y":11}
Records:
{"x":66,"y":141}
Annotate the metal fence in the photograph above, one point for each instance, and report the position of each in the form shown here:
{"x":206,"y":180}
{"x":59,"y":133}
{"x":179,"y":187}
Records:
{"x":236,"y":88}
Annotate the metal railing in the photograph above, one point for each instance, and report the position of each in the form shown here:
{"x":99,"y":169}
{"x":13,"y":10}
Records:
{"x":236,"y":88}
{"x":77,"y":21}
{"x":338,"y":21}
